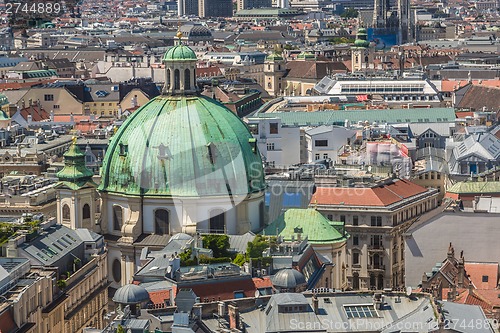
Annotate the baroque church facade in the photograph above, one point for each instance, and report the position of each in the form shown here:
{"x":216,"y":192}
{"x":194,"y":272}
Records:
{"x":181,"y":163}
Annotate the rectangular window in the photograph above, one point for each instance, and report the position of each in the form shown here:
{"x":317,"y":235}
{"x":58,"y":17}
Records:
{"x":55,"y":106}
{"x":320,"y":143}
{"x":239,"y":294}
{"x":325,"y":156}
{"x":355,"y":220}
{"x":342,"y":218}
{"x":438,"y":176}
{"x":376,"y":221}
{"x":254,"y":128}
{"x":330,"y":217}
{"x":355,"y":240}
{"x":270,"y":146}
{"x":316,"y":157}
{"x":48,"y":97}
{"x":355,"y":258}
{"x":485,"y":278}
{"x":273,"y":128}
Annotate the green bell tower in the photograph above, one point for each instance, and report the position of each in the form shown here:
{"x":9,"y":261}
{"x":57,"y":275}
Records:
{"x":76,"y":192}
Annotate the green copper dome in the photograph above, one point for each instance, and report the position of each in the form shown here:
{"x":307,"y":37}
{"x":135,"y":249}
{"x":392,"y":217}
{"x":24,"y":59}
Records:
{"x":361,"y":38}
{"x":3,"y":100}
{"x":179,"y":53}
{"x":75,"y":173}
{"x":4,"y":115}
{"x":182,"y":146}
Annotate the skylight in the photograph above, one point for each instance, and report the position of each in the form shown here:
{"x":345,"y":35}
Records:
{"x":101,"y":93}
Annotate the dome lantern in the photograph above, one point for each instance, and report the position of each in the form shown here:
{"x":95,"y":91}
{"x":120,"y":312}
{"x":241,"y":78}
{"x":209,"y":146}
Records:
{"x":180,"y":69}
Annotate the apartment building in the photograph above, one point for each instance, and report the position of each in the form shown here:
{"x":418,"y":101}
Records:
{"x":376,"y":215}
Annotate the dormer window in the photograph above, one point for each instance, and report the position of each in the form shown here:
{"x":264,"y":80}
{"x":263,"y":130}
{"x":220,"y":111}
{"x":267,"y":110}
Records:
{"x":123,"y":149}
{"x":211,"y":152}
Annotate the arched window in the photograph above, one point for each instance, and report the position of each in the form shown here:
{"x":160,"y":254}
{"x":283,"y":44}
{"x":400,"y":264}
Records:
{"x":261,"y":215}
{"x":117,"y":270}
{"x":217,"y":221}
{"x":86,"y":211}
{"x":177,"y":79}
{"x":187,"y":79}
{"x":117,"y":218}
{"x":162,"y":222}
{"x":168,"y":78}
{"x":66,"y":213}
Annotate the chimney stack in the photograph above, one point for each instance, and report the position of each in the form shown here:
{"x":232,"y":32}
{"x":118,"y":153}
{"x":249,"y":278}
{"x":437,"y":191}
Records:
{"x":315,"y":302}
{"x":461,"y":270}
{"x":234,"y":316}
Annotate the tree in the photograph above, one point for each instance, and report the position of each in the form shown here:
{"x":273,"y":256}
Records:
{"x":120,"y":329}
{"x":61,"y":284}
{"x":219,"y":244}
{"x":240,"y":259}
{"x":349,"y":13}
{"x":255,"y":247}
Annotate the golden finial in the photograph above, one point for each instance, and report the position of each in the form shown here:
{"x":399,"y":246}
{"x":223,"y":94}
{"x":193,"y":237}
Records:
{"x":74,"y":138}
{"x":316,"y":203}
{"x":179,"y":34}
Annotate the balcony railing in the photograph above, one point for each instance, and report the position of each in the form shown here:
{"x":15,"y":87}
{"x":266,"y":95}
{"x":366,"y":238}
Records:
{"x":376,"y":267}
{"x":376,"y":247}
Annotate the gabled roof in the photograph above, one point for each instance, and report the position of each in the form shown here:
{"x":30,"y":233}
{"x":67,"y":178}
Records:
{"x":476,"y":97}
{"x":483,"y":145}
{"x":307,"y":69}
{"x":381,"y":196}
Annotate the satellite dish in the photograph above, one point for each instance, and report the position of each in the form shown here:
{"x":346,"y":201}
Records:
{"x":257,"y":293}
{"x":169,"y":269}
{"x":408,"y":291}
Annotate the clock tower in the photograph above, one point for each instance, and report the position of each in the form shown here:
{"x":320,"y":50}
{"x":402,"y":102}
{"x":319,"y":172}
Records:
{"x":362,"y":53}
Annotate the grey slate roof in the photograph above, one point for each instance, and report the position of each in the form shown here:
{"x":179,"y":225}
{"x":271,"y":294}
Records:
{"x":464,"y":230}
{"x":52,"y":245}
{"x":460,"y":316}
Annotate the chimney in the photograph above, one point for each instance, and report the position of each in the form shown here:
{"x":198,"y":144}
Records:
{"x":234,"y":316}
{"x":461,"y":270}
{"x":451,"y":252}
{"x":315,"y":302}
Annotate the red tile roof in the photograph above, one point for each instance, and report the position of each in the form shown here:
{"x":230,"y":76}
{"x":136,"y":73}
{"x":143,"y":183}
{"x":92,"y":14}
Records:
{"x":37,"y":113}
{"x":264,"y":282}
{"x":158,"y":297}
{"x":383,"y":195}
{"x":222,"y":289}
{"x":476,"y":271}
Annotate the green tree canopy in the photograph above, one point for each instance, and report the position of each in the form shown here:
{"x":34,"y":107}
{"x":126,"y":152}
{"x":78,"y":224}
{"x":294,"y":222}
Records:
{"x":219,"y":244}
